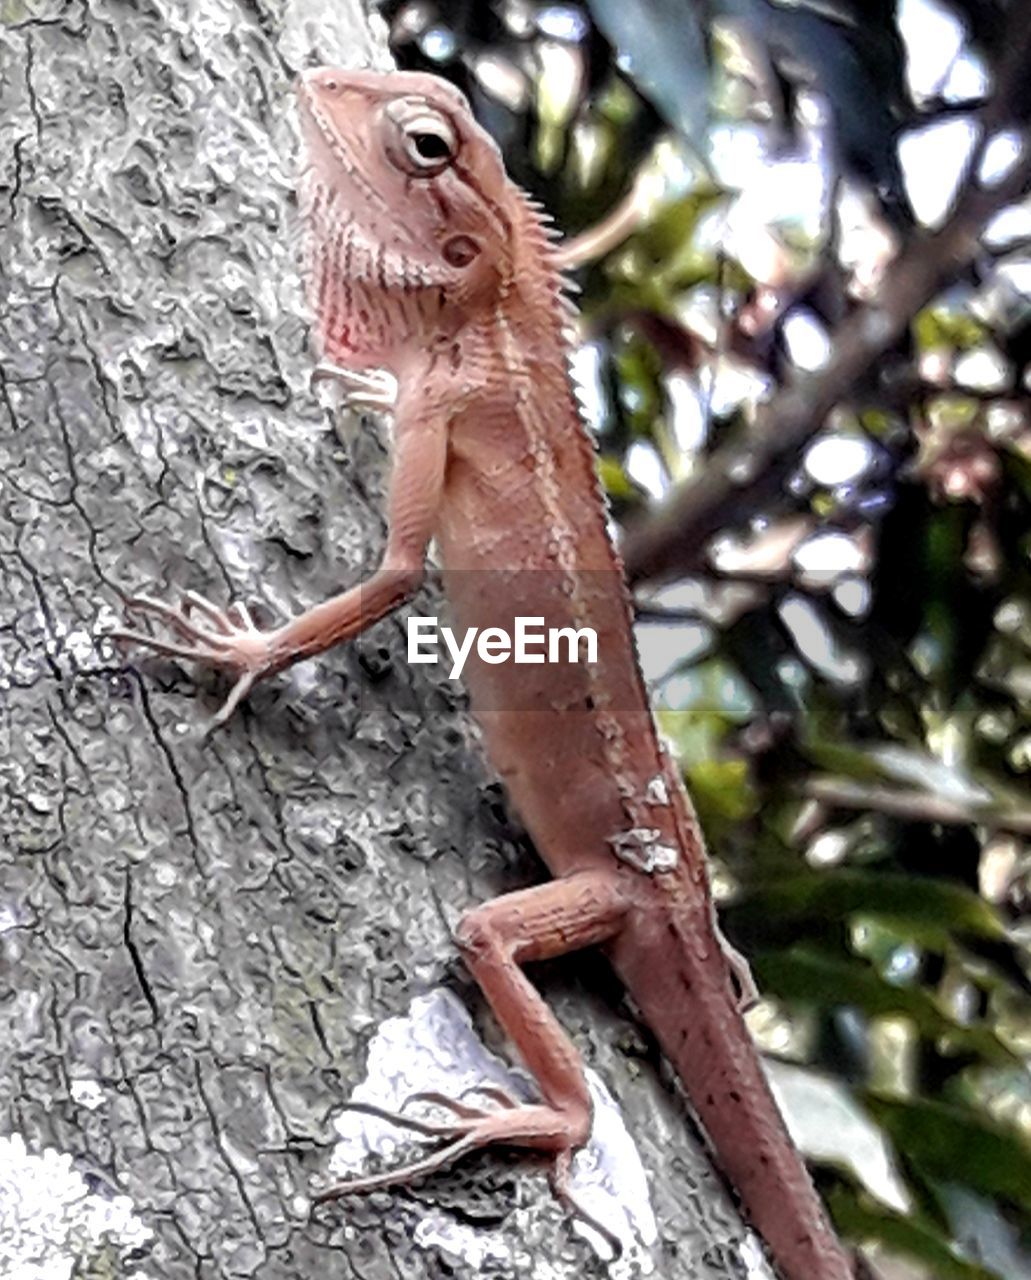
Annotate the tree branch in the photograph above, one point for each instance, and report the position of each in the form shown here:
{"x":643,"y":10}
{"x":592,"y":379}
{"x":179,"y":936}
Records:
{"x":673,"y":539}
{"x":915,"y":806}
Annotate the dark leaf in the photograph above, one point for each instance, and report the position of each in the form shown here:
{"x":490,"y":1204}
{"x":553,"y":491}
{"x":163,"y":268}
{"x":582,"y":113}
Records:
{"x":858,"y":63}
{"x":812,"y":978}
{"x":914,"y":1237}
{"x":665,"y":47}
{"x":915,"y":900}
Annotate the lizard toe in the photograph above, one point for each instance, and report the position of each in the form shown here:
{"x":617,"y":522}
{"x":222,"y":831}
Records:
{"x":536,"y":1126}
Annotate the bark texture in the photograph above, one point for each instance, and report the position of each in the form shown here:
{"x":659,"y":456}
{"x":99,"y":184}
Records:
{"x":199,"y":936}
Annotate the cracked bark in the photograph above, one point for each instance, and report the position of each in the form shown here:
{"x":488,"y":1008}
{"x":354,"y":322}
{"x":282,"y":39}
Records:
{"x":205,"y":933}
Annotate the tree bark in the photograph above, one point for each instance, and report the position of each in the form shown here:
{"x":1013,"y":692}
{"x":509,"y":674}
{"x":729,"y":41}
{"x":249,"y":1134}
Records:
{"x":200,"y":935}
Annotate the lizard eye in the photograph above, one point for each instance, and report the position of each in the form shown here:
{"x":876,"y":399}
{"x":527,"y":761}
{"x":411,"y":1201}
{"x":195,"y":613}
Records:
{"x":428,"y":147}
{"x":422,"y":141}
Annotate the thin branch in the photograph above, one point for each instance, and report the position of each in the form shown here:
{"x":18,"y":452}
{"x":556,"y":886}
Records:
{"x":673,"y":539}
{"x":915,"y":806}
{"x":606,"y":235}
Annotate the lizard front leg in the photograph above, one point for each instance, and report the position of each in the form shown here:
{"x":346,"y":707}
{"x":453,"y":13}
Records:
{"x":548,"y":920}
{"x":228,"y":639}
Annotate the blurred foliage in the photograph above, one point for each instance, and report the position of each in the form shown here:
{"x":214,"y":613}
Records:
{"x":846,"y":673}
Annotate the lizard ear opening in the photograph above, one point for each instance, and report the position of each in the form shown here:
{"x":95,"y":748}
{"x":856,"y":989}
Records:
{"x":420,"y":140}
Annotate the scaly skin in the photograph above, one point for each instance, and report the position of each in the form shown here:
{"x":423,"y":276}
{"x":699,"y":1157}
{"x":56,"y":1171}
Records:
{"x":425,"y":260}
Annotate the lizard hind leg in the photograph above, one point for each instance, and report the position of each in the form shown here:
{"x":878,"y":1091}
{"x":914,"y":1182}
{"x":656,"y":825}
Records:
{"x":495,"y":939}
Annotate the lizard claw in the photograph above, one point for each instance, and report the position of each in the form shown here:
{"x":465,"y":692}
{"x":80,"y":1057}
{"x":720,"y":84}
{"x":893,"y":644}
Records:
{"x":501,"y":1096}
{"x":202,"y":632}
{"x":223,"y":620}
{"x":459,"y":1137}
{"x":406,"y":1173}
{"x":563,"y":1193}
{"x":360,"y":389}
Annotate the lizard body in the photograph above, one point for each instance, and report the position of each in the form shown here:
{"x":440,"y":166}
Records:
{"x":424,"y":259}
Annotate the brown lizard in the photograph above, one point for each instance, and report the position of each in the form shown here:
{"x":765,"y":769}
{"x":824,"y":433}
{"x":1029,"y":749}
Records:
{"x":425,"y":260}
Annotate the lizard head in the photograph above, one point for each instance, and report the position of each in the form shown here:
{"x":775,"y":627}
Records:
{"x":410,"y":214}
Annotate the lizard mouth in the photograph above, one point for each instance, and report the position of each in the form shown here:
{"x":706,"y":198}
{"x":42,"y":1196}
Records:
{"x":343,"y":147}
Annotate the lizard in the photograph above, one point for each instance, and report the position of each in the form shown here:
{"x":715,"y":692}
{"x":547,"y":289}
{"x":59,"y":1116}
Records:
{"x":425,"y":260}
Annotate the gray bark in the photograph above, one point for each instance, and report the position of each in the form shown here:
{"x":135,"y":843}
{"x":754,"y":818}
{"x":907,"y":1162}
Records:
{"x":200,"y":936}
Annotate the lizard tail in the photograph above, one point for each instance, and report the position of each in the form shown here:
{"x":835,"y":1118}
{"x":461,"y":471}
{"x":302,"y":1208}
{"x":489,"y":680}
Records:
{"x":674,"y":968}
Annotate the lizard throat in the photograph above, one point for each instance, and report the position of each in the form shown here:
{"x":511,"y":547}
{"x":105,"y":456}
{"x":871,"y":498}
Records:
{"x":368,"y":299}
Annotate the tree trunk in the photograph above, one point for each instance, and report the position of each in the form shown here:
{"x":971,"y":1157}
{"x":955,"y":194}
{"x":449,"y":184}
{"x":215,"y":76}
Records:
{"x":200,"y":936}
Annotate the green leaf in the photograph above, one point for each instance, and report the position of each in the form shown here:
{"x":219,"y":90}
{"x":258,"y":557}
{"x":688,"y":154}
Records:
{"x":1017,"y":467}
{"x":614,"y":479}
{"x":669,"y":241}
{"x":722,"y":789}
{"x":892,"y":896}
{"x":951,"y":1145}
{"x":845,"y":759}
{"x":913,"y":1237}
{"x":639,"y":371}
{"x":950,"y":327}
{"x":813,"y":978}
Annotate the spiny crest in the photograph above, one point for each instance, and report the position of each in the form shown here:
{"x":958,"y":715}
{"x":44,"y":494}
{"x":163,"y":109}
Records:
{"x":542,"y":236}
{"x":542,"y":239}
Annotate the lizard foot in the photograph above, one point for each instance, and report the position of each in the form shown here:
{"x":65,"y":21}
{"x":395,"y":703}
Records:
{"x":516,"y":1123}
{"x":224,"y":638}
